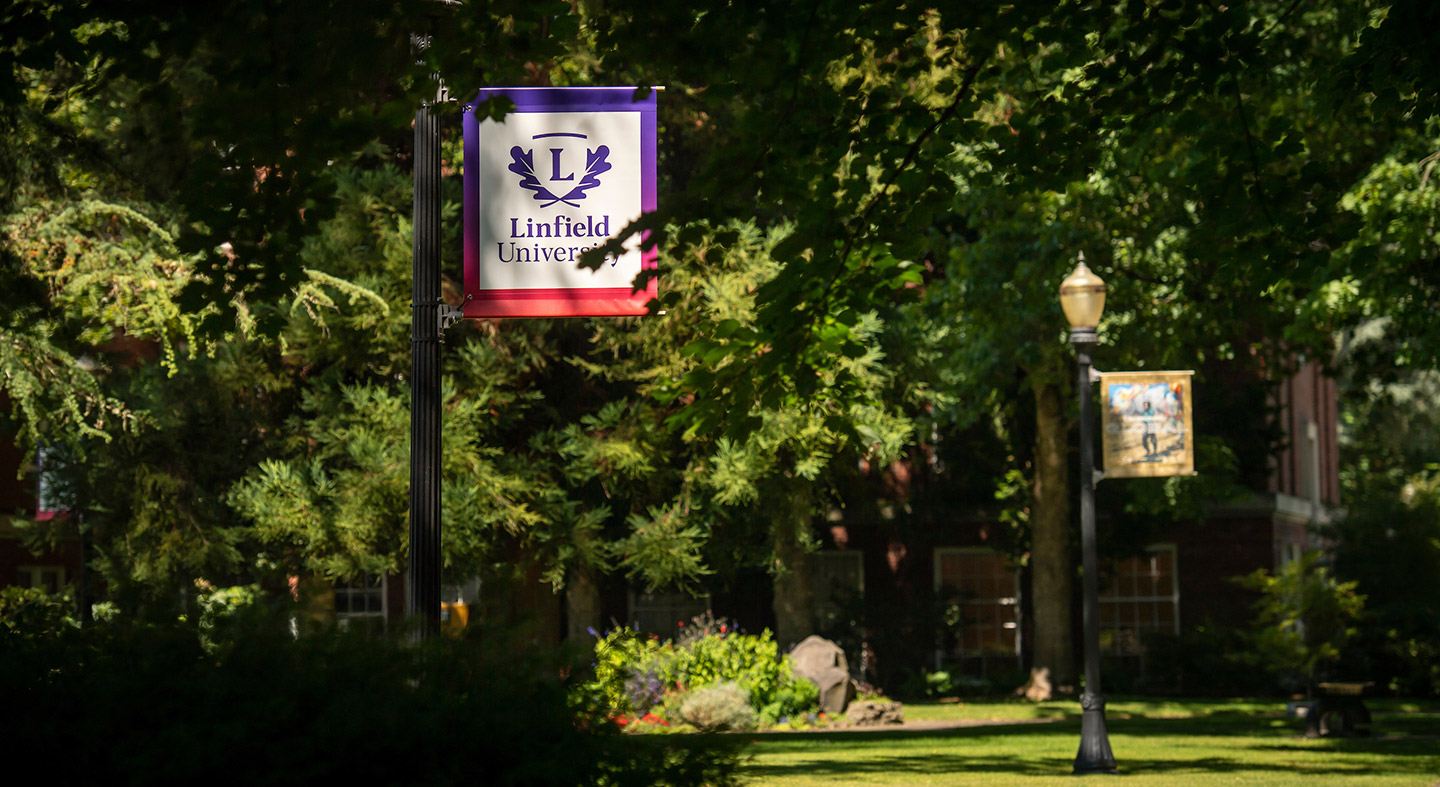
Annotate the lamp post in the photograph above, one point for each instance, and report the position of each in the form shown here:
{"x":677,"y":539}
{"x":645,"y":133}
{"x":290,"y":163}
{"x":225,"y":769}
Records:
{"x":1082,"y":297}
{"x":426,"y":329}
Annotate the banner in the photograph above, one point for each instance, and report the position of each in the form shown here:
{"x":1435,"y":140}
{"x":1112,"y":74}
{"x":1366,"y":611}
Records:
{"x":1147,"y":424}
{"x":563,"y":173}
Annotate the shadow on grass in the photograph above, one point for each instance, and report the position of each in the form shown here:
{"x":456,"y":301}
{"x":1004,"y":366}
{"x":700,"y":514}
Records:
{"x":1020,"y":765}
{"x":1388,"y":728}
{"x":936,"y":752}
{"x":913,"y":765}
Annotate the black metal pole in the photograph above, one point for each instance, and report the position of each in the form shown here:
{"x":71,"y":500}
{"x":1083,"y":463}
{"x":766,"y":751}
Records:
{"x":1094,"y":755}
{"x":423,"y":600}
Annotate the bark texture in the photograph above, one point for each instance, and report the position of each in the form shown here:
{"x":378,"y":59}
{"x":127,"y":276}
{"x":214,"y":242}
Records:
{"x":794,"y":603}
{"x":1052,"y":574}
{"x":582,"y":604}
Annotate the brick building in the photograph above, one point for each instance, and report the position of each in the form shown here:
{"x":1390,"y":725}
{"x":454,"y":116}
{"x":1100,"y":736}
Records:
{"x":946,"y":594}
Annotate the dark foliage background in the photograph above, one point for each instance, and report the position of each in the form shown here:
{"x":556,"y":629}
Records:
{"x":252,"y":704}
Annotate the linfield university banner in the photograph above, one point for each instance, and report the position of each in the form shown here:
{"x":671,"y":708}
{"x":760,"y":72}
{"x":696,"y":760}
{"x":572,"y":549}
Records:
{"x":563,"y":173}
{"x":1147,"y":424}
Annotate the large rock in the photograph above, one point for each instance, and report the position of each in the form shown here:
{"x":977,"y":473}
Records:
{"x":824,"y":664}
{"x":815,"y":653}
{"x":868,"y":713}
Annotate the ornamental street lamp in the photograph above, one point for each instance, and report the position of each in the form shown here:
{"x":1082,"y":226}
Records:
{"x":1082,"y":297}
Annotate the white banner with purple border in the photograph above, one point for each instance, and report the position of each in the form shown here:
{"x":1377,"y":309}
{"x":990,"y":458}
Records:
{"x":564,"y":172}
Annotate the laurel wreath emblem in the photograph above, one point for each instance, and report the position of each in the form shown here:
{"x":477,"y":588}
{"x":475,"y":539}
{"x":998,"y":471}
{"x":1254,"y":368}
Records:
{"x":523,"y":164}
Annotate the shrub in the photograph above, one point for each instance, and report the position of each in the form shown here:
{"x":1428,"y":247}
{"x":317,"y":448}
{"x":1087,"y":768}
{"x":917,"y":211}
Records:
{"x":624,"y":661}
{"x":1209,"y":659}
{"x":794,"y":697}
{"x":1389,"y":542}
{"x":267,"y":707}
{"x":753,"y":662}
{"x":635,"y":674}
{"x":643,"y":690}
{"x":227,"y":607}
{"x":928,"y":685}
{"x":724,"y":706}
{"x":1305,"y":617}
{"x":31,"y":612}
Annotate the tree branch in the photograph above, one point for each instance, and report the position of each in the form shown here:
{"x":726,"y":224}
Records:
{"x":1250,"y":148}
{"x":910,"y":155}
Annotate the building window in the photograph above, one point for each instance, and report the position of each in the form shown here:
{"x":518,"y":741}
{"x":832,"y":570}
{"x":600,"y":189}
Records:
{"x":662,"y":611}
{"x":51,"y":494}
{"x":51,"y":579}
{"x":1290,"y":552}
{"x":838,"y":580}
{"x":360,"y":603}
{"x":1143,"y":597}
{"x":980,"y":592}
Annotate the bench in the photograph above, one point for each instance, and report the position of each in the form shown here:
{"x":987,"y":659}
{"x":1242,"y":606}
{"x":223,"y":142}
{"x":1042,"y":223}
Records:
{"x":1339,"y":711}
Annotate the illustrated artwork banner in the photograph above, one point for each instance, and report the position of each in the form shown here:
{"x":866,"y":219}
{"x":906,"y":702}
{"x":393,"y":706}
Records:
{"x":1147,"y":429}
{"x":563,"y":173}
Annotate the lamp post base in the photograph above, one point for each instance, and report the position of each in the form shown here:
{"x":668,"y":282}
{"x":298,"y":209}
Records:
{"x":1095,"y":755}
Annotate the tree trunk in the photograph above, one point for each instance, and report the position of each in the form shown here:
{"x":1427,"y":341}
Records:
{"x":794,"y":603}
{"x":582,"y":604}
{"x":1051,"y":571}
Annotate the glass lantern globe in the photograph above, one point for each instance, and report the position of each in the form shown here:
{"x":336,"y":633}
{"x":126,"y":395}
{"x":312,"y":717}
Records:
{"x":1082,"y":297}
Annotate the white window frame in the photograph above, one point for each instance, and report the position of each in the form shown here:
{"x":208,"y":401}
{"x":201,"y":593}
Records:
{"x":352,"y":591}
{"x":1173,"y":597}
{"x":48,"y":504}
{"x":33,"y":577}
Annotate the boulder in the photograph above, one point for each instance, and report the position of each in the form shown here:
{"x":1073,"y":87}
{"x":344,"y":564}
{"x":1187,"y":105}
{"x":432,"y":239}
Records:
{"x":815,"y":653}
{"x":823,"y":663}
{"x":836,"y":690}
{"x":869,"y":713}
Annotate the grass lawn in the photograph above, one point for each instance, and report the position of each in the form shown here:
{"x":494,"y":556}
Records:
{"x":1159,"y":742}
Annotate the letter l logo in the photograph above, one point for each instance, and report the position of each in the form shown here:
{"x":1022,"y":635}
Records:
{"x":555,"y":166}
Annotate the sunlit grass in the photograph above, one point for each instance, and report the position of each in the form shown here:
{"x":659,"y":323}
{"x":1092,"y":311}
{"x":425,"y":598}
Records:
{"x":1186,"y":742}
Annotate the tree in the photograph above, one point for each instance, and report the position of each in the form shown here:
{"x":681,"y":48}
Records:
{"x":900,"y":163}
{"x":228,"y":122}
{"x":764,"y":484}
{"x":1197,"y":149}
{"x":1388,"y":541}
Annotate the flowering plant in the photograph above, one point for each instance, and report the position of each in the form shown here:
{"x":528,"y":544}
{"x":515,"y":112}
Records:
{"x":638,"y":675}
